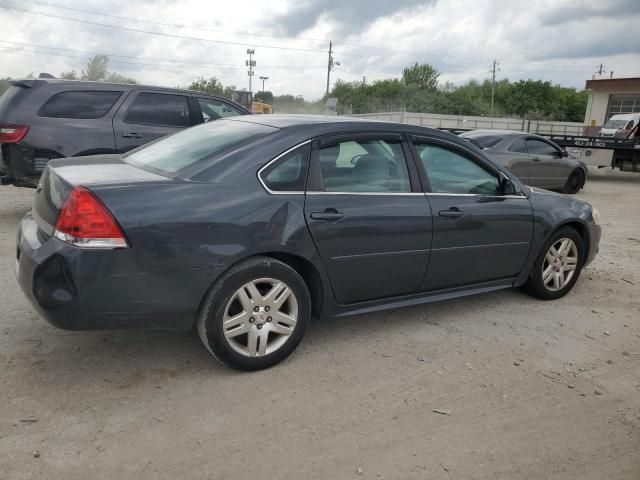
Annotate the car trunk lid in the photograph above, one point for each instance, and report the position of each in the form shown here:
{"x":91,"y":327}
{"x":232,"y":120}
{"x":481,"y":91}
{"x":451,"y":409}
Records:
{"x":61,"y":176}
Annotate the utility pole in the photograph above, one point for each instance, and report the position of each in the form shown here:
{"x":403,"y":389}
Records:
{"x":492,"y":69}
{"x":263,"y":79}
{"x":600,"y":69}
{"x":331,"y":64}
{"x":250,"y":63}
{"x":611,"y":74}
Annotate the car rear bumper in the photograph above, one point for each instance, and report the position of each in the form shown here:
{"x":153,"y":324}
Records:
{"x":78,"y":289}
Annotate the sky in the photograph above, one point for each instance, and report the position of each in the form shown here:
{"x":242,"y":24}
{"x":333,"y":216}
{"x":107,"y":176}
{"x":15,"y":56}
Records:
{"x":171,"y":43}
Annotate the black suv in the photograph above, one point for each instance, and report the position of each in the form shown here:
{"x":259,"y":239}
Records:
{"x":42,"y":119}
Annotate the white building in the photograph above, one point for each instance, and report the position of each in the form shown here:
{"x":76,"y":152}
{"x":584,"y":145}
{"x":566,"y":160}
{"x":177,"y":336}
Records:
{"x":609,"y":97}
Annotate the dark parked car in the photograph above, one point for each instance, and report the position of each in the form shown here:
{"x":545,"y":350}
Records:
{"x":536,"y":161}
{"x":42,"y":119}
{"x":246,"y":227}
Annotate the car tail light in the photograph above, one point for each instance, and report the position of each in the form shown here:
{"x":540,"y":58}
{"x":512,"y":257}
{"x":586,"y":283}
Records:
{"x":12,"y":133}
{"x":85,"y":222}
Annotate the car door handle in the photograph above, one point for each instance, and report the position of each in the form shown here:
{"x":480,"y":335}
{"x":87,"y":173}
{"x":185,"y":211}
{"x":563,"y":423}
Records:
{"x":131,"y":135}
{"x":329,"y":215}
{"x":535,"y":159}
{"x":452,"y":212}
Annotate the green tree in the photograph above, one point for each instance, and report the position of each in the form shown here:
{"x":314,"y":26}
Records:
{"x":97,"y":69}
{"x":70,"y":75}
{"x":265,"y":96}
{"x":423,"y":76}
{"x":211,"y":86}
{"x":115,"y":77}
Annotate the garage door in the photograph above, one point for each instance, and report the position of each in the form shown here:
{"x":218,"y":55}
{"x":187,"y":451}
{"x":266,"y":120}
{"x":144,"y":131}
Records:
{"x":623,"y":104}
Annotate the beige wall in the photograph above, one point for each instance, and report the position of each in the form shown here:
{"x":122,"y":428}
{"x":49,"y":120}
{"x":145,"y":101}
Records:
{"x":598,"y":103}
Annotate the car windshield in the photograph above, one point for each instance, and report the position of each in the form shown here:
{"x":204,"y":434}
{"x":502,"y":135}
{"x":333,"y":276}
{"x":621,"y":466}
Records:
{"x":611,"y":123}
{"x":181,"y":150}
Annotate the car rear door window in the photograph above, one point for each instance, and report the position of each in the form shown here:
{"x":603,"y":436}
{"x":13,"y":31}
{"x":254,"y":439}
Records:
{"x":212,"y":109}
{"x":81,"y":104}
{"x":159,"y":109}
{"x":538,"y":146}
{"x":518,"y":146}
{"x":364,"y":166}
{"x":450,"y":172}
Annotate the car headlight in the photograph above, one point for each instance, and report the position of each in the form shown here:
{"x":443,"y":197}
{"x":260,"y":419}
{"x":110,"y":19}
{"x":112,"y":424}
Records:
{"x":595,"y":214}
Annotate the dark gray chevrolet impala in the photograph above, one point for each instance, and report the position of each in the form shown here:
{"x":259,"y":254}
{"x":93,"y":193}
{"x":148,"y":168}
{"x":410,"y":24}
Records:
{"x":245,"y":228}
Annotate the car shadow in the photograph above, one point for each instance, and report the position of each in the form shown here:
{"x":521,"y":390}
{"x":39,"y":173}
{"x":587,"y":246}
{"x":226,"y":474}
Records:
{"x":122,"y":359}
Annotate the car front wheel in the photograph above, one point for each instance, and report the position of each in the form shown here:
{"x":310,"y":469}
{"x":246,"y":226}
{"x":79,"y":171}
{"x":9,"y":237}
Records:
{"x":256,"y":315}
{"x":558,"y":266}
{"x":575,"y":182}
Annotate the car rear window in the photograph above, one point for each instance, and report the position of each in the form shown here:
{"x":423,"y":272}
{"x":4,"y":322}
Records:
{"x":82,"y":104}
{"x":176,"y":152}
{"x":485,"y":141}
{"x":7,"y":96}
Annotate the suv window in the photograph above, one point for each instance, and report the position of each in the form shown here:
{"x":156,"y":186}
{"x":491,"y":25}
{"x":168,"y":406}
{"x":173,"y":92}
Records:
{"x":213,"y":109}
{"x":451,"y":172}
{"x":79,"y":104}
{"x":364,"y":166}
{"x":518,"y":146}
{"x":289,"y":173}
{"x":540,"y":147}
{"x":159,"y":109}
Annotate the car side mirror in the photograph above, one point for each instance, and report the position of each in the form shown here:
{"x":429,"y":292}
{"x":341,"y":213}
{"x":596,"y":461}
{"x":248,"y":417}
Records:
{"x":564,"y":154}
{"x":507,"y":187}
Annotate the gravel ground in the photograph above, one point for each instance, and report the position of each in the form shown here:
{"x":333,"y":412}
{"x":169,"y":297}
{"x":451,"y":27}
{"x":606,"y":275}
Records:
{"x":525,"y":389}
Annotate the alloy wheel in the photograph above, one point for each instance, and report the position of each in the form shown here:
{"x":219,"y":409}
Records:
{"x":559,"y":264}
{"x":260,"y":317}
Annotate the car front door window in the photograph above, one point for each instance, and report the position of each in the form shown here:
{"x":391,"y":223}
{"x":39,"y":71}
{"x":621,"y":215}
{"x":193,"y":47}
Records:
{"x":451,"y":172}
{"x":212,"y":109}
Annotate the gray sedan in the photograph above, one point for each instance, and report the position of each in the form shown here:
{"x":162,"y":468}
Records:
{"x":247,"y":227}
{"x":535,"y":160}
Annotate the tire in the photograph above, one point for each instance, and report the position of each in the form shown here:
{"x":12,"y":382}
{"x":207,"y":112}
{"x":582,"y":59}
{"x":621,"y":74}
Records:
{"x":575,"y":182}
{"x":262,"y":328}
{"x":536,"y":284}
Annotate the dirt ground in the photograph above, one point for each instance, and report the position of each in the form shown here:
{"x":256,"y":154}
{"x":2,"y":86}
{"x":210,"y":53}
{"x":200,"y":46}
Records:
{"x":527,"y":389}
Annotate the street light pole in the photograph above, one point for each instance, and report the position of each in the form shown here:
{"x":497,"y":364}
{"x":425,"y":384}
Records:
{"x":263,"y":79}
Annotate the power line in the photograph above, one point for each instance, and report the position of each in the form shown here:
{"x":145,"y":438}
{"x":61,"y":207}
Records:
{"x":170,"y":60}
{"x":173,"y":25}
{"x":155,"y":65}
{"x":204,"y":29}
{"x":150,"y":32}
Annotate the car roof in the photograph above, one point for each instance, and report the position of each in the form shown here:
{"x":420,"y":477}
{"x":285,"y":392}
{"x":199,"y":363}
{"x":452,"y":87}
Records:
{"x":495,"y":133}
{"x":106,"y":85}
{"x":625,"y":116}
{"x":335,"y":124}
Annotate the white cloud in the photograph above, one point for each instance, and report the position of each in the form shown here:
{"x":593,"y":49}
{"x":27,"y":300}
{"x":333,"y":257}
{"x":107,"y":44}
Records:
{"x":552,"y":40}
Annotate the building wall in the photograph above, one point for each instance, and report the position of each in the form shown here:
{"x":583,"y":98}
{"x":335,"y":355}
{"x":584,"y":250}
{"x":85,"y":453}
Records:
{"x":598,"y":104}
{"x":435,"y":120}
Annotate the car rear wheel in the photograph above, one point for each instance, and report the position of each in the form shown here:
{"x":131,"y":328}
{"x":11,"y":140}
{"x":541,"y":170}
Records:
{"x":575,"y":182}
{"x":558,"y":266}
{"x":256,"y":315}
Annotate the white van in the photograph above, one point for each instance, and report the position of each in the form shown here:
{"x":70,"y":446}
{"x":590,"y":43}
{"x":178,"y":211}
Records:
{"x":620,"y":125}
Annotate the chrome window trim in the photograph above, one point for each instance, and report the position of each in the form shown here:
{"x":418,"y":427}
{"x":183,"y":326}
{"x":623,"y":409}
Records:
{"x":275,"y":159}
{"x":364,"y":193}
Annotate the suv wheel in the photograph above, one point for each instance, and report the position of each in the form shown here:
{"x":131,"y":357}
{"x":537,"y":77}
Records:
{"x":256,"y":315}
